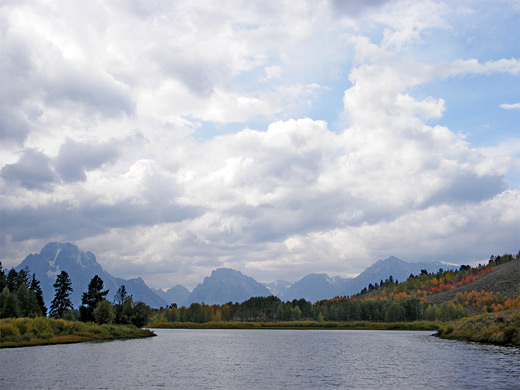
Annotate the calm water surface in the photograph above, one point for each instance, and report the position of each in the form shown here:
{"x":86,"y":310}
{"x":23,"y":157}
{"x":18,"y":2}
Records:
{"x":264,"y":359}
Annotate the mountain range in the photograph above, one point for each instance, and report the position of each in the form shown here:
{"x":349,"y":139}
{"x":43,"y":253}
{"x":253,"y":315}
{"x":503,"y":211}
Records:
{"x":222,"y":286}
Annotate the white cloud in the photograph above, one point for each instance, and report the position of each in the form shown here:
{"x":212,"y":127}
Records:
{"x":273,"y":72}
{"x":506,"y":106}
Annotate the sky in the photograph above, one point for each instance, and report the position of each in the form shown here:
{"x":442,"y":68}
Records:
{"x":277,"y":138}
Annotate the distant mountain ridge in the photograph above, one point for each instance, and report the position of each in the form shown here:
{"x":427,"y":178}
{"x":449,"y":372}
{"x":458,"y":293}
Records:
{"x":314,"y":287}
{"x":222,"y":286}
{"x":227,"y":285}
{"x":81,"y":267}
{"x":177,"y":294}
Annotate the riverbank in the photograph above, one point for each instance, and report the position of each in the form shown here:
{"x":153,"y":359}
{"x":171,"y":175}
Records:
{"x":23,"y":332}
{"x":502,"y":328}
{"x":362,"y":325}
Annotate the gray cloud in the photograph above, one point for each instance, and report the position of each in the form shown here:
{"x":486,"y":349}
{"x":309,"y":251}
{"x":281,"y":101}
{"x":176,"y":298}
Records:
{"x":98,"y":92}
{"x":14,"y":127}
{"x":63,"y":221}
{"x":15,"y":69}
{"x":469,"y":188}
{"x":355,"y":7}
{"x":74,"y":158}
{"x":32,"y":171}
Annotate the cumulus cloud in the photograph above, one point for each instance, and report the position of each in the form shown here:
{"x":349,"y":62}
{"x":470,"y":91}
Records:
{"x":106,"y":145}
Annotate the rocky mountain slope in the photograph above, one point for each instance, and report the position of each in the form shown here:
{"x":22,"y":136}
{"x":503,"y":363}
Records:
{"x":81,"y":267}
{"x":226,"y":285}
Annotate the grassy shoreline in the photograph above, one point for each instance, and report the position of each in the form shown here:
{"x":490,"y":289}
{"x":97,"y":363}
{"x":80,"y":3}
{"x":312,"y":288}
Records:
{"x":502,"y":328}
{"x":303,"y":325}
{"x":24,"y":332}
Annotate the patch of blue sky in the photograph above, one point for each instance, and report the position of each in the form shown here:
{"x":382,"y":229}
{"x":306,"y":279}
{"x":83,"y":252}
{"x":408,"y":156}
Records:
{"x":208,"y":129}
{"x":472,"y":106}
{"x":487,"y":31}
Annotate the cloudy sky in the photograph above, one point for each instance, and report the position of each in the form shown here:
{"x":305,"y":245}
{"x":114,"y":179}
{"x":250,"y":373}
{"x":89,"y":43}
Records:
{"x":277,"y":138}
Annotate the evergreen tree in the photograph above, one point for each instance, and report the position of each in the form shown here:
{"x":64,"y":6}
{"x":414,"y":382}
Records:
{"x":91,"y":298}
{"x":23,"y":277}
{"x":27,"y":302}
{"x":61,"y":302}
{"x":8,"y":304}
{"x":3,"y":278}
{"x":12,"y":280}
{"x":36,"y":289}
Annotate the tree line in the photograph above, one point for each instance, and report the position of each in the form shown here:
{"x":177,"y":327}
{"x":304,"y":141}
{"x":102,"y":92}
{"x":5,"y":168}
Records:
{"x":21,"y":296}
{"x":272,"y":309}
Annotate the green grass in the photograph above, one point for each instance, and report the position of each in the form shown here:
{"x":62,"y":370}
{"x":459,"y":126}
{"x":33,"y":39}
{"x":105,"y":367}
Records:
{"x":501,"y":328}
{"x":22,"y":332}
{"x":420,"y":325}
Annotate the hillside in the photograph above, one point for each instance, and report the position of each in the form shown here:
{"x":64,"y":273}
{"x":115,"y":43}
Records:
{"x":505,"y":279}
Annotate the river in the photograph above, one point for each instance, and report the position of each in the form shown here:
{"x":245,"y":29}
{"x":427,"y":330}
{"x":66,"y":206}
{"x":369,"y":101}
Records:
{"x":264,"y":359}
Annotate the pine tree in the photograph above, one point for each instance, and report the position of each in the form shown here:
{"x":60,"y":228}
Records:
{"x":91,"y":298}
{"x":8,"y":304}
{"x":36,"y":289}
{"x":27,"y":302}
{"x":61,"y":302}
{"x":3,"y":278}
{"x":12,"y":280}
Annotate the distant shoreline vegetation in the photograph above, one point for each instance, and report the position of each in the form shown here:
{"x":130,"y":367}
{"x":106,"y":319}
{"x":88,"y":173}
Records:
{"x":303,"y":325}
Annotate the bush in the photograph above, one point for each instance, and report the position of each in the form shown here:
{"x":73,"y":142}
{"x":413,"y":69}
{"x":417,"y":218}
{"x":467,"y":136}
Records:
{"x":104,"y":313}
{"x":41,"y":328}
{"x":9,"y":332}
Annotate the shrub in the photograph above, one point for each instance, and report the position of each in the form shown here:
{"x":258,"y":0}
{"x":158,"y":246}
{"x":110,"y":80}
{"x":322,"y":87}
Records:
{"x":41,"y":328}
{"x":9,"y":332}
{"x":104,"y":313}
